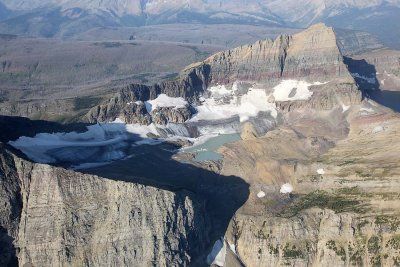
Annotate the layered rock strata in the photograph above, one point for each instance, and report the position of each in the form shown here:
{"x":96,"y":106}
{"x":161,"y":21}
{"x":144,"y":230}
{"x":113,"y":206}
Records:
{"x":55,"y":217}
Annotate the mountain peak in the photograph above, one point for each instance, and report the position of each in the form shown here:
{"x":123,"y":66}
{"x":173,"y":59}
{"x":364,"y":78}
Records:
{"x":312,"y":55}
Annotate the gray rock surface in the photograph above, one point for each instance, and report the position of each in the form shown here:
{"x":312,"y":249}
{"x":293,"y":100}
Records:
{"x":50,"y":216}
{"x":123,"y":105}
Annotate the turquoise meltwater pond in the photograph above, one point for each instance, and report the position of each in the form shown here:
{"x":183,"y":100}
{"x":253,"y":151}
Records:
{"x":208,"y":150}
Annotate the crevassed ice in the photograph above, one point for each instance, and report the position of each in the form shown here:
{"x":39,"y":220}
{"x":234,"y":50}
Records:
{"x":51,"y":147}
{"x":245,"y":106}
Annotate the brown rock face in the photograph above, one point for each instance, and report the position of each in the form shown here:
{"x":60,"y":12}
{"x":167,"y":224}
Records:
{"x":344,"y":208}
{"x":169,"y":114}
{"x":311,"y":55}
{"x":55,"y":217}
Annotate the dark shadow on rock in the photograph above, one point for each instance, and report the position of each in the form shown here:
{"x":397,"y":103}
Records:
{"x":154,"y":165}
{"x":364,"y":73}
{"x":8,"y":253}
{"x":13,"y":127}
{"x":390,"y":99}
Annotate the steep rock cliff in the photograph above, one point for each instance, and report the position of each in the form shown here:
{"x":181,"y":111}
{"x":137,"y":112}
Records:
{"x":311,"y":55}
{"x":56,"y":217}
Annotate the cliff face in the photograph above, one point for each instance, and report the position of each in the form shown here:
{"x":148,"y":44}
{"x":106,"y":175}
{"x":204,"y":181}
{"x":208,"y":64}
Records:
{"x":55,"y":217}
{"x":318,"y":238}
{"x":311,"y":55}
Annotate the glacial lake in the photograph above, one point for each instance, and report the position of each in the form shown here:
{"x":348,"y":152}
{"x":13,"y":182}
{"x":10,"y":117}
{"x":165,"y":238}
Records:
{"x":208,"y":150}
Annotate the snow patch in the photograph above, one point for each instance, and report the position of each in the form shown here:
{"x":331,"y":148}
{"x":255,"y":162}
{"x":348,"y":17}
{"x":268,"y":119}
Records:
{"x":218,"y":253}
{"x":378,"y":129}
{"x":289,"y":90}
{"x":345,"y":108}
{"x":164,"y":101}
{"x":261,"y":194}
{"x":286,"y":189}
{"x":320,"y":171}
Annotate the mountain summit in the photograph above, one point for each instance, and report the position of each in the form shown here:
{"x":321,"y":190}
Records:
{"x":310,"y":55}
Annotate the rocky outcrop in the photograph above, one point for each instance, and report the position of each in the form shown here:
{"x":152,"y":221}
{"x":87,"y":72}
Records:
{"x":125,"y":107}
{"x":165,"y":115}
{"x":50,"y":216}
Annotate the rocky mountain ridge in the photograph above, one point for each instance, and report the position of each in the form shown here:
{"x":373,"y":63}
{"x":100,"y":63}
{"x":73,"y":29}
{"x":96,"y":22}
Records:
{"x":312,"y":55}
{"x":68,"y":18}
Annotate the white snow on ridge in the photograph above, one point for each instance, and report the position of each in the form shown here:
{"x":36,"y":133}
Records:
{"x":286,"y":189}
{"x":165,"y":101}
{"x":283,"y":90}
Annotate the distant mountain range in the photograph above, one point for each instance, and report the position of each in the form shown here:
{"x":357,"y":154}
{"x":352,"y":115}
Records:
{"x":56,"y":18}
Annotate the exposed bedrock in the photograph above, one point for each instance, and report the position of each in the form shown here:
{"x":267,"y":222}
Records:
{"x":56,"y":217}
